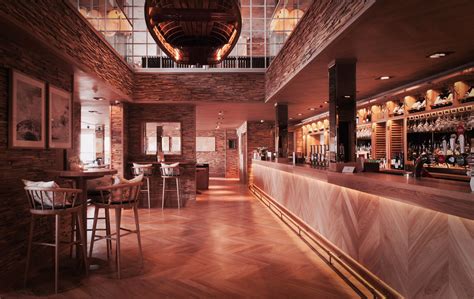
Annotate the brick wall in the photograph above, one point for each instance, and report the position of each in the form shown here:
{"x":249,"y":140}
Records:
{"x":232,"y":156}
{"x":224,"y":162}
{"x":323,"y":20}
{"x":118,"y":137}
{"x":258,"y":135}
{"x":184,"y":113}
{"x":216,"y":159}
{"x":16,"y":164}
{"x":60,"y":28}
{"x":222,"y":87}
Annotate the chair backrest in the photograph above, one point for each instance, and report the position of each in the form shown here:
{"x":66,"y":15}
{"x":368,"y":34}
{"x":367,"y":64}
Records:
{"x":145,"y":169}
{"x":48,"y":198}
{"x":126,"y":193}
{"x":167,"y":170}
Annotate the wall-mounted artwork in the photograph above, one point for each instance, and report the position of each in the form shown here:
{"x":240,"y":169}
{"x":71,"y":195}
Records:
{"x":60,"y":118}
{"x":205,"y":144}
{"x":27,"y":124}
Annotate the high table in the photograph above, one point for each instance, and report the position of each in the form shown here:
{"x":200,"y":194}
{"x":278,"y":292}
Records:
{"x":80,"y":177}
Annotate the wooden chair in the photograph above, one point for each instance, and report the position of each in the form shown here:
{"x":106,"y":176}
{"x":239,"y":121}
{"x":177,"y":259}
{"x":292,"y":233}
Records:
{"x":147,"y":172}
{"x":117,"y":197}
{"x":171,"y":172}
{"x":55,"y":202}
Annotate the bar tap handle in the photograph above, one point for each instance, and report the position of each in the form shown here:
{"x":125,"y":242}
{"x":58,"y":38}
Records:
{"x":419,"y":170}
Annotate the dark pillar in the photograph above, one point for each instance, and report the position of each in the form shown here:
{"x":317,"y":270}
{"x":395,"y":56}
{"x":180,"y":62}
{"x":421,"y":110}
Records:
{"x":281,"y":129}
{"x":342,"y":110}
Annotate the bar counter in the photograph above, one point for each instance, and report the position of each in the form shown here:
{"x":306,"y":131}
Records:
{"x":416,"y":235}
{"x":449,"y":197}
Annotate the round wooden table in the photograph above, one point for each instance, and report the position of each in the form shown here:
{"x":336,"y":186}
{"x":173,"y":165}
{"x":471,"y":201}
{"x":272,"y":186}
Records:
{"x":81,"y":177}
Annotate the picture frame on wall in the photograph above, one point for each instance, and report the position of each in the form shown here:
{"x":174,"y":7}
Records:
{"x":60,"y":118}
{"x":27,"y":113}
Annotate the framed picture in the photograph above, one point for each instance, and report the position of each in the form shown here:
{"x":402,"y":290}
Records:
{"x":60,"y":118}
{"x":27,"y":124}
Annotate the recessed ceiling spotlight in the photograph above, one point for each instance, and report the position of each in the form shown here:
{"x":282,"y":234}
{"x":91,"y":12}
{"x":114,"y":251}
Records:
{"x":384,"y":78}
{"x":117,"y":102}
{"x":326,"y":102}
{"x":439,"y":55}
{"x":98,"y":98}
{"x":299,"y":114}
{"x":221,"y":113}
{"x":291,"y":118}
{"x":262,"y":121}
{"x":311,"y":109}
{"x":347,"y":97}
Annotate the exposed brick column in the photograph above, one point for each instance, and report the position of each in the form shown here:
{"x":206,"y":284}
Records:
{"x":118,"y":137}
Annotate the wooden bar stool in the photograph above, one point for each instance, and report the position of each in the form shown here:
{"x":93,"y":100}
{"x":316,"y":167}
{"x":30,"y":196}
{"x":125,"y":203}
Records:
{"x":170,"y":171}
{"x":118,"y":197}
{"x":147,"y":171}
{"x":55,"y":202}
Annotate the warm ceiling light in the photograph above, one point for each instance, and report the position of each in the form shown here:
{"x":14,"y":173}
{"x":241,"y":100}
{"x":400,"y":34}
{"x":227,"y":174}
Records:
{"x":326,"y":102}
{"x":117,"y":102}
{"x":299,"y":114}
{"x":262,"y":121}
{"x":439,"y":55}
{"x":221,"y":113}
{"x":311,"y":109}
{"x":384,"y":78}
{"x":291,"y":118}
{"x":98,"y":98}
{"x":347,"y":97}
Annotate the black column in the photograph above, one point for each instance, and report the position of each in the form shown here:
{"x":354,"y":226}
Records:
{"x":342,"y":110}
{"x":281,"y":129}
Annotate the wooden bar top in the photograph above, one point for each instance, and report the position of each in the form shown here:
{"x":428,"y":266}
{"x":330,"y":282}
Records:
{"x":449,"y":197}
{"x":183,"y":163}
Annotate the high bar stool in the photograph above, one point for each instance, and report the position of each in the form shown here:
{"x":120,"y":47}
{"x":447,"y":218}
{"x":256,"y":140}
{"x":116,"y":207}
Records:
{"x":118,"y":197}
{"x":147,"y":171}
{"x":57,"y":202}
{"x":170,"y":171}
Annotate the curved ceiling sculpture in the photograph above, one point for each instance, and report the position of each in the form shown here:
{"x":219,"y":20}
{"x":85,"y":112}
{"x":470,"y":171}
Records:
{"x":199,"y":32}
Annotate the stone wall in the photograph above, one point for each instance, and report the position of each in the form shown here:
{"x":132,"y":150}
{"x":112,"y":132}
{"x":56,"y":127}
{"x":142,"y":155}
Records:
{"x":136,"y":115}
{"x":321,"y":23}
{"x":220,"y":87}
{"x":61,"y":28}
{"x":17,"y":164}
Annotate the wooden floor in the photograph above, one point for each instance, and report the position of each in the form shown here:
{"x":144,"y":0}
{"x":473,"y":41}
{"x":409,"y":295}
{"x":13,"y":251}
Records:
{"x":226,"y":244}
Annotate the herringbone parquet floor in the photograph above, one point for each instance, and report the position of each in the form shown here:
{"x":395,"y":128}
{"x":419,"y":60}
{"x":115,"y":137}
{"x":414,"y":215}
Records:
{"x":224,"y":245}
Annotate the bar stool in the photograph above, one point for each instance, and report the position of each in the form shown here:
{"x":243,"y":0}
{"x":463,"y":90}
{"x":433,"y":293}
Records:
{"x":57,"y":202}
{"x":118,"y":197}
{"x":170,"y":171}
{"x":147,"y":171}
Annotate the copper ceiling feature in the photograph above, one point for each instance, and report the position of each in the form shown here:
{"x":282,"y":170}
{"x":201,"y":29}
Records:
{"x":194,"y":31}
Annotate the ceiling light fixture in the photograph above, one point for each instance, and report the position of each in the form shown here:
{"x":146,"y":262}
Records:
{"x":311,"y":109}
{"x":326,"y":102}
{"x":439,"y":55}
{"x":291,"y":118}
{"x":221,"y":113}
{"x":117,"y":102}
{"x":98,"y":98}
{"x":299,"y":114}
{"x":262,"y":121}
{"x":384,"y":78}
{"x":347,"y":97}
